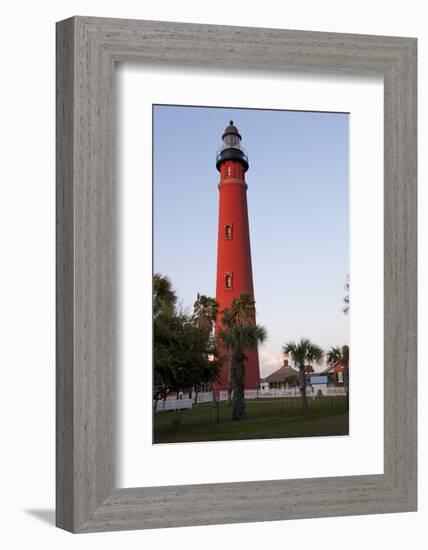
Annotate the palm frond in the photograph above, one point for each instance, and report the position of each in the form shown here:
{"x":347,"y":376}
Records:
{"x":336,"y":354}
{"x":303,"y":352}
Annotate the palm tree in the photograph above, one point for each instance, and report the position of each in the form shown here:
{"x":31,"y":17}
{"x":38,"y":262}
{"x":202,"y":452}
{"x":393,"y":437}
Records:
{"x":205,"y":312}
{"x":244,"y":314}
{"x":164,"y":298}
{"x":243,"y":309}
{"x":341,"y":355}
{"x":304,"y":354}
{"x":240,"y":332}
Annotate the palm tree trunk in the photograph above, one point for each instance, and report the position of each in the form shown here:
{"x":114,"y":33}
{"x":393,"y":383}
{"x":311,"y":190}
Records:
{"x":213,"y":395}
{"x":238,"y":384}
{"x":229,"y":382}
{"x":346,"y":384}
{"x":229,"y":394}
{"x":303,"y":389}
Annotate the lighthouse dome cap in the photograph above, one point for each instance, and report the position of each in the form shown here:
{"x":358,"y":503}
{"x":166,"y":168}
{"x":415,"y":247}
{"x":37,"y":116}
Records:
{"x":231,"y":130}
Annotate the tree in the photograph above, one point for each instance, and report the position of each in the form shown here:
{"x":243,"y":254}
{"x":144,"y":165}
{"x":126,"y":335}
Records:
{"x":183,"y":345}
{"x":205,"y":312}
{"x":244,"y":314}
{"x":304,"y":354}
{"x":164,"y":377}
{"x":192,"y":350}
{"x":238,"y":333}
{"x":337,"y":355}
{"x":164,"y":298}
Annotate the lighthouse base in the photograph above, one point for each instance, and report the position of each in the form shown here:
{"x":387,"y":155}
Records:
{"x":252,"y":373}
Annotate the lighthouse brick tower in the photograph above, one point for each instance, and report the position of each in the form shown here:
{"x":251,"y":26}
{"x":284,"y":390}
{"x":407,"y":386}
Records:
{"x":234,"y":270}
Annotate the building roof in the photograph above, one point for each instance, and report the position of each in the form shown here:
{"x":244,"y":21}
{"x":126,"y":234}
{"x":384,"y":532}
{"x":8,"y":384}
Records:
{"x":283,"y":374}
{"x":335,"y":367}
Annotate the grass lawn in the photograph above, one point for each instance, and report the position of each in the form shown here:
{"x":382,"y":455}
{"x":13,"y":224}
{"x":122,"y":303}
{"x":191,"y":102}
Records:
{"x":266,"y":419}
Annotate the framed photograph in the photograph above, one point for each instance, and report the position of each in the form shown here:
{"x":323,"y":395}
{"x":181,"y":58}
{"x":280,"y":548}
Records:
{"x":246,"y":377}
{"x":236,"y":274}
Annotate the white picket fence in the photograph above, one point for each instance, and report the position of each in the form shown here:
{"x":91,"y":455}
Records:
{"x":173,"y":405}
{"x":336,"y":391}
{"x":204,"y":397}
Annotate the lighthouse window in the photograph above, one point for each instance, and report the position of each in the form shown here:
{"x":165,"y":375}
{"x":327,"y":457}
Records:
{"x":228,"y":280}
{"x":228,"y":231}
{"x":229,"y":171}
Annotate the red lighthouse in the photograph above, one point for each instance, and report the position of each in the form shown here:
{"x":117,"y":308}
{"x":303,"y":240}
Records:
{"x":234,"y":270}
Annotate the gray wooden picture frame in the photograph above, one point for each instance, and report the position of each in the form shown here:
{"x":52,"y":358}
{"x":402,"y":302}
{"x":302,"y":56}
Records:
{"x":87,"y":50}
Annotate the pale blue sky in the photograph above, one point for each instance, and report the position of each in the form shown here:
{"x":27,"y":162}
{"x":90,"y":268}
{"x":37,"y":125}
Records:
{"x":298,"y":210}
